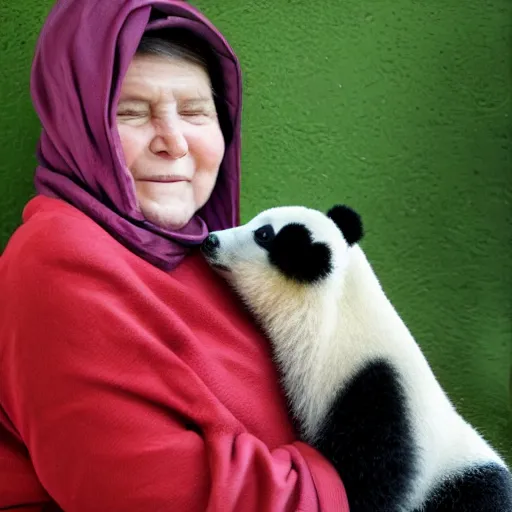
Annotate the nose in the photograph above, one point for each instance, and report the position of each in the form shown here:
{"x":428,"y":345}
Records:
{"x":172,"y":138}
{"x":210,"y":245}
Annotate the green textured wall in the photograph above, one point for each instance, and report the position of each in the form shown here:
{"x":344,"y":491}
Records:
{"x":401,"y":108}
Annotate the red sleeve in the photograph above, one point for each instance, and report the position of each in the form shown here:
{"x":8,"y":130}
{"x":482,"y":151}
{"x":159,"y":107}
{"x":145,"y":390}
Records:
{"x":83,"y":387}
{"x":19,"y":488}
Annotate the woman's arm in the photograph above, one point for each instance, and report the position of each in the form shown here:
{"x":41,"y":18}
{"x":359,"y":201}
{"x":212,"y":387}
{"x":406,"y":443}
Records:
{"x":104,"y":430}
{"x":20,"y":489}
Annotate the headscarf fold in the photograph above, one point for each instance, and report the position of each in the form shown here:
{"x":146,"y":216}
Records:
{"x":81,"y":58}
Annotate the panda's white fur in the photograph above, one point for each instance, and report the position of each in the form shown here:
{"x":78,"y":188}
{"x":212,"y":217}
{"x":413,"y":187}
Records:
{"x":325,"y":330}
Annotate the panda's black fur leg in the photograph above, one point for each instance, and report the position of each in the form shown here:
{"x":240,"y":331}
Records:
{"x":369,"y":439}
{"x":485,"y":488}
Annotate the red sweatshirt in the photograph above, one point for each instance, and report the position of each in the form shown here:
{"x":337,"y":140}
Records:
{"x":124,"y":388}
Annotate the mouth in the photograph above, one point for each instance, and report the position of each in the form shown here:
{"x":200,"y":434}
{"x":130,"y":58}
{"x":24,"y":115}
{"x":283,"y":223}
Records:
{"x":214,"y":264}
{"x":218,"y":266}
{"x":166,"y":179}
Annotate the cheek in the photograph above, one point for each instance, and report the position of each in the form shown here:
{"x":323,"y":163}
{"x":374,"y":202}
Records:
{"x":207,"y":146}
{"x":133,"y":143}
{"x":208,"y":151}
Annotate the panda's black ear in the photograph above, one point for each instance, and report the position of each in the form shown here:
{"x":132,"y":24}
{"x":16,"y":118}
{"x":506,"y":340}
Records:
{"x":348,"y":221}
{"x":295,"y":254}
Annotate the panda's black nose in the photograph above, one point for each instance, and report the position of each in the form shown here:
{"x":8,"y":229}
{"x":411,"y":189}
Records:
{"x":210,"y":245}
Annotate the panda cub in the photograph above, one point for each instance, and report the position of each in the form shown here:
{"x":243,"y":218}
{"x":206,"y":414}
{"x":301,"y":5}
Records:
{"x":358,"y":385}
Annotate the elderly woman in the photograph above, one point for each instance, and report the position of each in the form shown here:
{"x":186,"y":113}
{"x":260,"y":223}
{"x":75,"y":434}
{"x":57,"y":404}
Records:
{"x":131,"y":378}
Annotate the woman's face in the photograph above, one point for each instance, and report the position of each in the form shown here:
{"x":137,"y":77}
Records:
{"x":171,"y":138}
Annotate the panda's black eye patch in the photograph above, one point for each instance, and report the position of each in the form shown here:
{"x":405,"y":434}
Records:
{"x":263,"y":236}
{"x":297,"y":256}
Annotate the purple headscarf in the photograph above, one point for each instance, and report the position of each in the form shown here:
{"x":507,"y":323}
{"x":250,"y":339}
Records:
{"x":82,"y":55}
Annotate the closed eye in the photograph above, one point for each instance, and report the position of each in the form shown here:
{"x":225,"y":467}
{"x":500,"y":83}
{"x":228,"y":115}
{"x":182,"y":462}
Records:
{"x":131,"y":113}
{"x":194,"y":113}
{"x":199,"y":116}
{"x":133,"y":118}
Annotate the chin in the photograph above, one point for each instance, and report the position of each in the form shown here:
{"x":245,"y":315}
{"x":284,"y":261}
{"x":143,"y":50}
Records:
{"x":167,"y":218}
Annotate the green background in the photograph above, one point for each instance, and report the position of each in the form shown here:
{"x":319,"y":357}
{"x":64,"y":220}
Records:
{"x":400,"y":108}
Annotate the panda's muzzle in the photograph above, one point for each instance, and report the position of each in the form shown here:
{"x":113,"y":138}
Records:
{"x":209,"y":248}
{"x":210,"y":245}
